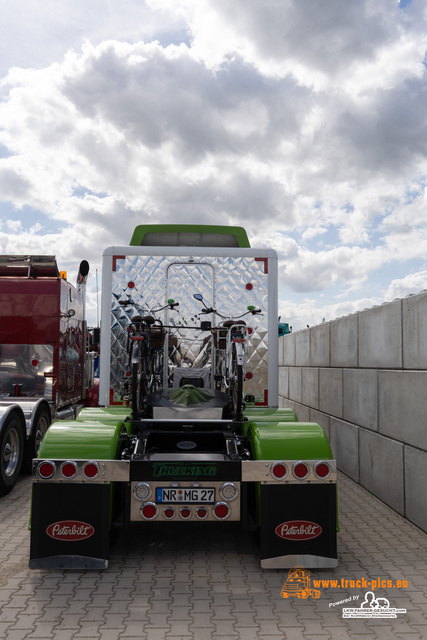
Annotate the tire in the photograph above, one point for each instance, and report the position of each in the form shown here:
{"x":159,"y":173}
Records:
{"x":11,"y":452}
{"x":32,"y":446}
{"x":237,"y":388}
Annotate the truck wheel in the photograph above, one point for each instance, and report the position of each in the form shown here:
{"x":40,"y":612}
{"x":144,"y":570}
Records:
{"x":32,"y":446}
{"x":11,"y":453}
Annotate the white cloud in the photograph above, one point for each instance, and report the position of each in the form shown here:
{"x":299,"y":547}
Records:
{"x":303,"y":121}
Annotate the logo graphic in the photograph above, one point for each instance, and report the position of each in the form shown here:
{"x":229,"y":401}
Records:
{"x":165,"y":470}
{"x":298,"y":530}
{"x":70,"y":530}
{"x":298,"y":584}
{"x":372,"y":607}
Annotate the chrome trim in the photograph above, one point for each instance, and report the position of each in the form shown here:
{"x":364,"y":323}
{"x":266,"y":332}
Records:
{"x":308,"y":562}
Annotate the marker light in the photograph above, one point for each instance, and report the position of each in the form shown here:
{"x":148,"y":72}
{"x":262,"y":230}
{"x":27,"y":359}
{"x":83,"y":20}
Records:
{"x":149,"y":510}
{"x":68,"y":469}
{"x":300,"y":470}
{"x":279,"y":470}
{"x":46,"y":470}
{"x":91,"y":470}
{"x":322,"y":470}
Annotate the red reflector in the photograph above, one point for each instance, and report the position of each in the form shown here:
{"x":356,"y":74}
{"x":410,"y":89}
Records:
{"x":169,"y":513}
{"x":185,"y":513}
{"x":300,"y":470}
{"x":46,"y":470}
{"x":221,"y":510}
{"x":90,"y":470}
{"x":149,"y":511}
{"x":249,"y":286}
{"x":201,"y":513}
{"x":68,"y":469}
{"x":131,"y":284}
{"x":249,"y":375}
{"x":34,"y":362}
{"x":279,"y":470}
{"x":322,"y":470}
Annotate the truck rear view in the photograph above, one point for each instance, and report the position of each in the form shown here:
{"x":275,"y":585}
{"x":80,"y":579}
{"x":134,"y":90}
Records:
{"x":188,"y":428}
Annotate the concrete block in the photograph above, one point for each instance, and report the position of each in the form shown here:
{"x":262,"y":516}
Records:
{"x":360,"y":397}
{"x":302,"y":412}
{"x":414,"y":311}
{"x":330,"y":391}
{"x":295,"y":384}
{"x":415,"y":486}
{"x":320,"y":346}
{"x":380,"y":337}
{"x":310,"y":387}
{"x":284,"y":382}
{"x":281,"y":352}
{"x":343,"y":439}
{"x":381,"y":468}
{"x":288,"y":349}
{"x":345,"y":342}
{"x":402,"y":406}
{"x":322,"y":419}
{"x":302,"y":348}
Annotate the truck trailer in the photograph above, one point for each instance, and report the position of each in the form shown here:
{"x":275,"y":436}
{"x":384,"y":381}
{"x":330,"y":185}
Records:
{"x":188,"y":427}
{"x":43,"y":368}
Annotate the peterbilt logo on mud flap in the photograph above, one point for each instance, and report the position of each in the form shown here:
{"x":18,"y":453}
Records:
{"x":296,"y":530}
{"x":70,"y":530}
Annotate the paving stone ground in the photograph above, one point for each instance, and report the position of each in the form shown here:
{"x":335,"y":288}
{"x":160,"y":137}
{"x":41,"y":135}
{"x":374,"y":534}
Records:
{"x":177,"y":585}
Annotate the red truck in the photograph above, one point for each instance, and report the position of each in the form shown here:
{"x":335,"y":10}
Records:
{"x":45,"y":366}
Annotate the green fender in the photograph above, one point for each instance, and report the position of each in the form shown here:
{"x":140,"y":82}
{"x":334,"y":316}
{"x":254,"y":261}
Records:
{"x":288,"y":441}
{"x":90,"y":440}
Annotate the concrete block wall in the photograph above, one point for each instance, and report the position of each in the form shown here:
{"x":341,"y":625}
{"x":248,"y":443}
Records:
{"x":363,"y":378}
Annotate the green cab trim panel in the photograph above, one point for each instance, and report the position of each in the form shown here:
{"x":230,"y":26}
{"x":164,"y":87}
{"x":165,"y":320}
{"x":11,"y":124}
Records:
{"x":169,"y":231}
{"x":82,"y":440}
{"x":288,"y":441}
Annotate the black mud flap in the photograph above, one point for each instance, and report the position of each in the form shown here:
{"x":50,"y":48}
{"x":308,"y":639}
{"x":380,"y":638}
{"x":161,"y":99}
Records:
{"x":70,"y":526}
{"x":298,"y":526}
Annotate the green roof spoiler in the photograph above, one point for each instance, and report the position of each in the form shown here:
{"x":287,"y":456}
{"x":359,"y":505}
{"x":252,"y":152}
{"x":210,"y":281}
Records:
{"x":189,"y":235}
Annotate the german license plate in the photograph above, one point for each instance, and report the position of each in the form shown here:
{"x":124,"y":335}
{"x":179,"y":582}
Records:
{"x":186,"y":495}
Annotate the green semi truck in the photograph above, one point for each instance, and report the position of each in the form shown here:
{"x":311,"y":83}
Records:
{"x":187,"y":426}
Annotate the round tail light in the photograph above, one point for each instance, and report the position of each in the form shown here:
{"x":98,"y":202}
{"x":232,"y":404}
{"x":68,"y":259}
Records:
{"x":185,"y":513}
{"x":201,"y":513}
{"x":46,"y":470}
{"x":149,"y":510}
{"x":300,"y":470}
{"x":68,"y":470}
{"x":142,"y":491}
{"x":322,"y":470}
{"x":221,"y":511}
{"x":279,"y":470}
{"x":228,"y":491}
{"x":91,"y":470}
{"x":169,"y":513}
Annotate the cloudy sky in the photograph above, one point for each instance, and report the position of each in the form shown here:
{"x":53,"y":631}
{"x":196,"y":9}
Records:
{"x":305,"y":121}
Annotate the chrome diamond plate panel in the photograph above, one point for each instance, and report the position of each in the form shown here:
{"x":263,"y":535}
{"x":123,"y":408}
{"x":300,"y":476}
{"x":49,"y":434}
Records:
{"x":229,"y":284}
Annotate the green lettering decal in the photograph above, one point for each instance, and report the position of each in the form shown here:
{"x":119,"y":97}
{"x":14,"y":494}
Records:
{"x":164,"y":470}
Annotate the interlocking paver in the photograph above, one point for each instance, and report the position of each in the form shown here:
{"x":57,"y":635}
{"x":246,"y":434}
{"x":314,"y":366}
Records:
{"x":179,"y":587}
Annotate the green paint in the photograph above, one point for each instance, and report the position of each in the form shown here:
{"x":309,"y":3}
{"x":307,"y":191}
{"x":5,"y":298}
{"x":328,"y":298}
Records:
{"x":97,"y":440}
{"x":189,"y":394}
{"x":143,"y":229}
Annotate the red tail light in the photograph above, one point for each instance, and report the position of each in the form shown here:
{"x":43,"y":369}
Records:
{"x":201,"y":513}
{"x":322,"y":470}
{"x":91,"y":469}
{"x":169,"y":513}
{"x":221,"y":511}
{"x":278,"y":470}
{"x":46,"y":470}
{"x":185,"y":513}
{"x":68,"y":469}
{"x":149,"y":510}
{"x":300,"y":470}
